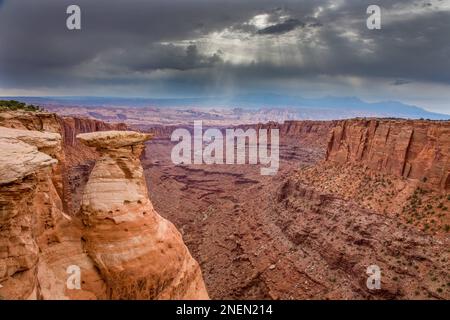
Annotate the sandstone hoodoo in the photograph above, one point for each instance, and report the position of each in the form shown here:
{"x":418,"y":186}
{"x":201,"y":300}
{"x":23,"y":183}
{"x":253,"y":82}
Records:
{"x":139,"y":254}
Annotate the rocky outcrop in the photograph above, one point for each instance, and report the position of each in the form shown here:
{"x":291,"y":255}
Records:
{"x":129,"y":254}
{"x":47,"y":142}
{"x":67,"y":127}
{"x":139,"y":254}
{"x":25,"y":120}
{"x":78,"y":157}
{"x":38,"y":242}
{"x":73,"y":157}
{"x":19,"y":160}
{"x":22,"y":168}
{"x":405,"y":148}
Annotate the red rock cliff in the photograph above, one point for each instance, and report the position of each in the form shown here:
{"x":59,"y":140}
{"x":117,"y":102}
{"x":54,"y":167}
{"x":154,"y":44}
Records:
{"x":410,"y":148}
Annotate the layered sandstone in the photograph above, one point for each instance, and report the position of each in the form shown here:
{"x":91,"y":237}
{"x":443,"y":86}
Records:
{"x":38,"y":242}
{"x":25,"y":171}
{"x":139,"y":254}
{"x":67,"y":127}
{"x":311,"y":231}
{"x":74,"y":158}
{"x":411,"y":149}
{"x":19,"y":160}
{"x":25,"y":120}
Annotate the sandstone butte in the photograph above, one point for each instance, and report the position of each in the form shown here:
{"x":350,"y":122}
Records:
{"x":125,"y":250}
{"x":141,"y":255}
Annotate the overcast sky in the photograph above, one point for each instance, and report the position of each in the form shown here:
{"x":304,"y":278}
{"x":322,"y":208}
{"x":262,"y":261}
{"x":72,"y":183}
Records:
{"x":191,"y":48}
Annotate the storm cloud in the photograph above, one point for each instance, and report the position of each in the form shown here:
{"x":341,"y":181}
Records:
{"x":205,"y":47}
{"x":282,"y":27}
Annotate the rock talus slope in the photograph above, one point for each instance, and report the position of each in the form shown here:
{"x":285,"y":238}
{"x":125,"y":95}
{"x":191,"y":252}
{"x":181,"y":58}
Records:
{"x":140,"y":254}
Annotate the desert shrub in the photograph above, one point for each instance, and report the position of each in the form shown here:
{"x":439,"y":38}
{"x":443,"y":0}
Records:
{"x":16,"y":105}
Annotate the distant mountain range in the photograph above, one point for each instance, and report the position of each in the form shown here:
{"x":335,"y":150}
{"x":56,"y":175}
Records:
{"x":332,"y":105}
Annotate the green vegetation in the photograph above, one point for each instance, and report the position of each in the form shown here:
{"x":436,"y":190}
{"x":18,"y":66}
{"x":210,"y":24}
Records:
{"x":428,"y":210}
{"x":16,"y":105}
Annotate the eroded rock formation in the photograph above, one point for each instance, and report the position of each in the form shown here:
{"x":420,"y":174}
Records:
{"x":139,"y":254}
{"x":40,"y":243}
{"x":75,"y":160}
{"x":29,"y":204}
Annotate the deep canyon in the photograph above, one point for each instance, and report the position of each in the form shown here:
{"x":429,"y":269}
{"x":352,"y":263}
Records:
{"x":349,"y":194}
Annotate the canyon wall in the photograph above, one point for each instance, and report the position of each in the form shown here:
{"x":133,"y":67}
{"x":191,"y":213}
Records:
{"x":405,"y":148}
{"x":41,"y":244}
{"x":306,"y":133}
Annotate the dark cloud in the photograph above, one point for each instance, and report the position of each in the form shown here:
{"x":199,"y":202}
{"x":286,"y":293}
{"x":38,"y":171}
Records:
{"x":159,"y":56}
{"x":168,"y":44}
{"x":282,"y":27}
{"x":315,"y":25}
{"x":400,"y":82}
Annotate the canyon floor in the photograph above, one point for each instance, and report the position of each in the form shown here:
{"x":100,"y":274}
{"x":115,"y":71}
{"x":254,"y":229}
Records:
{"x":283,"y":237}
